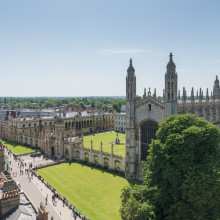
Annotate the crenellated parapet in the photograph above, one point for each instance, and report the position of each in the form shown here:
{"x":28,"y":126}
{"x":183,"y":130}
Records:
{"x":151,"y":99}
{"x":10,"y":194}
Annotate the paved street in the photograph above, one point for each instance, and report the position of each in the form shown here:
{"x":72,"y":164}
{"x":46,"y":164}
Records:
{"x":37,"y":191}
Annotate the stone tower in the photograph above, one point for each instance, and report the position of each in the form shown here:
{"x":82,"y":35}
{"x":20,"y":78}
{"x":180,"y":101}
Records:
{"x":216,"y":89}
{"x":130,"y":166}
{"x":170,"y":88}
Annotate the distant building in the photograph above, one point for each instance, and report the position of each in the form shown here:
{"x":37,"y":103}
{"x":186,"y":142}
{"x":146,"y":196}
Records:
{"x":123,"y":108}
{"x":120,"y":122}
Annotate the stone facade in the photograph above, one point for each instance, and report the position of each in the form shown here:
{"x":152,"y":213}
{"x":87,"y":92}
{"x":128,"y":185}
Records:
{"x":144,"y":115}
{"x":58,"y":136}
{"x":2,"y":150}
{"x":120,"y":122}
{"x":10,"y":193}
{"x":48,"y":133}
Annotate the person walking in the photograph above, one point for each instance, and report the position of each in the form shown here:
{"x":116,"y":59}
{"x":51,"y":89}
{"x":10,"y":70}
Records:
{"x":46,"y":200}
{"x":74,"y":215}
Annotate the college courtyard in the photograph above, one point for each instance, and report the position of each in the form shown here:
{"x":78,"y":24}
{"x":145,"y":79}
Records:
{"x":90,"y":189}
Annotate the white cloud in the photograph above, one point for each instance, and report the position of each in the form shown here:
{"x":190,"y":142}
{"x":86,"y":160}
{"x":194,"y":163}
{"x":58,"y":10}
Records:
{"x":120,"y":51}
{"x":58,"y":68}
{"x":21,"y":67}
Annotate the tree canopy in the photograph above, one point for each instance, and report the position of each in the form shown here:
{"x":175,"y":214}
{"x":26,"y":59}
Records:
{"x":181,"y":178}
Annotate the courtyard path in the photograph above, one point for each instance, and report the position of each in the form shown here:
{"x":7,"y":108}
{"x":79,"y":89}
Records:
{"x":37,"y":191}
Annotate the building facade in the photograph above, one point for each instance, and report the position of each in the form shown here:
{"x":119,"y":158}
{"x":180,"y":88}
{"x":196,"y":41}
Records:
{"x":120,"y":122}
{"x":144,"y":115}
{"x":58,"y":136}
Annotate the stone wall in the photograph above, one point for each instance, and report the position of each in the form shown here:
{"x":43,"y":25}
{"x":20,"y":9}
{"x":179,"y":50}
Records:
{"x":9,"y":201}
{"x":1,"y":157}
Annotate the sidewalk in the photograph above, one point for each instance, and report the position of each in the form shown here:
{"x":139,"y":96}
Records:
{"x":37,"y":191}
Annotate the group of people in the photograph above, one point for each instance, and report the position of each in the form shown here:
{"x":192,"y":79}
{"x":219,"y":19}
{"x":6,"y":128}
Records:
{"x":29,"y":172}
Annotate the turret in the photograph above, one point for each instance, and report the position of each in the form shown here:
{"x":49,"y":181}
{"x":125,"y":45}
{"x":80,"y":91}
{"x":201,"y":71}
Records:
{"x":130,"y":165}
{"x":171,"y":88}
{"x":200,"y":96}
{"x":184,"y":97}
{"x":207,"y":95}
{"x":197,"y":94}
{"x":179,"y":94}
{"x":192,"y":95}
{"x":216,"y":89}
{"x":144,"y":96}
{"x":155,"y":93}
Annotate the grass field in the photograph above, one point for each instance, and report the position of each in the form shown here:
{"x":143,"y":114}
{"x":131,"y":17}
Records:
{"x":17,"y":149}
{"x":93,"y":192}
{"x":107,"y":139}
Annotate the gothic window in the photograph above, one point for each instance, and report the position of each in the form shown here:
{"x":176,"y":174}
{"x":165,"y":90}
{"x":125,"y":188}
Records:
{"x":172,"y":85}
{"x":168,"y":85}
{"x":168,"y":96}
{"x":66,"y":125}
{"x":149,"y":107}
{"x":172,"y":96}
{"x":23,"y":125}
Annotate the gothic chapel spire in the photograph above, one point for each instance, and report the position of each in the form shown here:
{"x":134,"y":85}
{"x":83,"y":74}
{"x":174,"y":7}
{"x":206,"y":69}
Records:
{"x":130,"y":165}
{"x":171,"y":88}
{"x":131,"y":69}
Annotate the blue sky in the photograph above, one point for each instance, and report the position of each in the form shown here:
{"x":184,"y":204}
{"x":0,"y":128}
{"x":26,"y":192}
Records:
{"x":82,"y":48}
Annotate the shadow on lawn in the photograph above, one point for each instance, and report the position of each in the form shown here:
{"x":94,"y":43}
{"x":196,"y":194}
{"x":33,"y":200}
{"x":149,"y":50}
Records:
{"x":104,"y":170}
{"x":14,"y":144}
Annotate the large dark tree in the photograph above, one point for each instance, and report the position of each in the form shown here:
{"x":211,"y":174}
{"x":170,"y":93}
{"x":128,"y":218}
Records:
{"x":181,"y":176}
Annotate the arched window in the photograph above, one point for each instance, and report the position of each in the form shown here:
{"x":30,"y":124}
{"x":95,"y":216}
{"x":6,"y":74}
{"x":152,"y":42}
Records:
{"x":168,"y":96}
{"x":149,"y":107}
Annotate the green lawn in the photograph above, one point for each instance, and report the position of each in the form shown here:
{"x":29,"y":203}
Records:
{"x":107,"y":139}
{"x":17,"y":149}
{"x":93,"y":192}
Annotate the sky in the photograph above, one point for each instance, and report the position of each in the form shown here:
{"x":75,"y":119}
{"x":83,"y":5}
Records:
{"x":82,"y":48}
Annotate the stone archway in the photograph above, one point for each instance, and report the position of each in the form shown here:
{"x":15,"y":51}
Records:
{"x":106,"y":162}
{"x":148,"y":132}
{"x":117,"y":165}
{"x":86,"y":157}
{"x":52,"y":152}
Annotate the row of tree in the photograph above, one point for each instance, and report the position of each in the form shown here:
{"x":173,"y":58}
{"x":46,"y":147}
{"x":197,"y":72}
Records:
{"x":103,"y":103}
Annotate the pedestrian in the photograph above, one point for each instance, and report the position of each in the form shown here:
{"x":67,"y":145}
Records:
{"x":46,"y":200}
{"x":74,"y":215}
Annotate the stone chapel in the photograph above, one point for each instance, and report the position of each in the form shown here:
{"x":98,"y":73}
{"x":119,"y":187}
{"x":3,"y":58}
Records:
{"x":144,"y":115}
